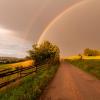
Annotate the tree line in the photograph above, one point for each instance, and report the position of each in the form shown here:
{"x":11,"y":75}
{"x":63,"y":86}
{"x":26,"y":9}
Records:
{"x":7,"y":60}
{"x":91,"y":52}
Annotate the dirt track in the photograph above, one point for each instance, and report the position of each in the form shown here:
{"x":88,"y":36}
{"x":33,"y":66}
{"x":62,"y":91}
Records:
{"x":70,"y":83}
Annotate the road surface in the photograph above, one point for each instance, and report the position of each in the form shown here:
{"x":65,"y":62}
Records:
{"x":71,"y":83}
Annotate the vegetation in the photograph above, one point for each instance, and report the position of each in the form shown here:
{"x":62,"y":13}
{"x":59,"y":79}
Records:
{"x":83,"y":57}
{"x":91,"y":52}
{"x":14,"y":65}
{"x":91,"y":66}
{"x":31,"y":87}
{"x":46,"y":57}
{"x":6,"y":60}
{"x":45,"y":53}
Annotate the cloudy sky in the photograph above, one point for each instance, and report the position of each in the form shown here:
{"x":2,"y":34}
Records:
{"x":22,"y":22}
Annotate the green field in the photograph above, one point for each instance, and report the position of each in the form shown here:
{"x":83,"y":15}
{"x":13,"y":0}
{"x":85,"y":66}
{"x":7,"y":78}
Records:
{"x":91,"y":66}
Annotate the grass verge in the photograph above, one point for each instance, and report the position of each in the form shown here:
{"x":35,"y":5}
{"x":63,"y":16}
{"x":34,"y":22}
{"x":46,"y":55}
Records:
{"x":31,"y":87}
{"x":88,"y":65}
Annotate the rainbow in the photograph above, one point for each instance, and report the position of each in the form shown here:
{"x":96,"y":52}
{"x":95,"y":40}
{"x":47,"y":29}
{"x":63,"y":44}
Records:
{"x":58,"y":17}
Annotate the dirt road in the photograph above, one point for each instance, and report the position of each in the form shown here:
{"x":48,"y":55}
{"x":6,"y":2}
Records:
{"x":70,"y":83}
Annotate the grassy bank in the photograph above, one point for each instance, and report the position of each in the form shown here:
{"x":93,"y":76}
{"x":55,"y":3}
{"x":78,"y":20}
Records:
{"x":91,"y":66}
{"x":31,"y":87}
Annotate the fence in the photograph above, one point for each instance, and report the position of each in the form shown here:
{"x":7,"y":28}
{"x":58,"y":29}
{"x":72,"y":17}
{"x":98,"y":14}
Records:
{"x":7,"y":76}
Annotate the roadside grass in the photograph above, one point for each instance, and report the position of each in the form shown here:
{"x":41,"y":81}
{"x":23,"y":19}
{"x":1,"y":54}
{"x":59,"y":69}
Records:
{"x":91,"y":66}
{"x":31,"y":87}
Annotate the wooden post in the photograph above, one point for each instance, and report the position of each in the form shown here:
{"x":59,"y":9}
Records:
{"x":20,"y":71}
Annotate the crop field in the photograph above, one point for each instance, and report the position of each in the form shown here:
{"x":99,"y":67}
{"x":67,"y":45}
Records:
{"x":14,"y":65}
{"x":15,"y":71}
{"x":84,"y":57}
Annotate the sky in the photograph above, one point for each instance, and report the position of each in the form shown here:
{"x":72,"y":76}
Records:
{"x":76,"y":28}
{"x":67,"y":23}
{"x":23,"y":21}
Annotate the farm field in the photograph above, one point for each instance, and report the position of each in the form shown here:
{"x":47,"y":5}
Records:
{"x":11,"y":72}
{"x":14,"y":65}
{"x":84,"y":57}
{"x":88,"y":64}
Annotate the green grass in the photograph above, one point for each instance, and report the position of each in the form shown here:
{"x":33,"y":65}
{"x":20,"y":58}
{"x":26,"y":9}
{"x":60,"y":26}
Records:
{"x":88,"y":65}
{"x":31,"y":87}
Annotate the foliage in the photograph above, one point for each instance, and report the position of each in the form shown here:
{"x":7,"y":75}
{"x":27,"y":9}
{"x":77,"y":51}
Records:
{"x":31,"y":87}
{"x":91,"y":52}
{"x":45,"y":53}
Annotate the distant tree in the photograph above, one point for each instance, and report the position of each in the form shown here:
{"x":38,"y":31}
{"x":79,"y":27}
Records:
{"x":6,"y":60}
{"x":91,"y":52}
{"x":46,"y":52}
{"x":27,"y":58}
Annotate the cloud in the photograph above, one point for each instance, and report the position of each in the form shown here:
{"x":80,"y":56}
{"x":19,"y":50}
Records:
{"x":27,"y":19}
{"x":13,"y":46}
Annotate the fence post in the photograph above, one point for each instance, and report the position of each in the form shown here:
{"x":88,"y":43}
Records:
{"x":36,"y":69}
{"x":20,"y":71}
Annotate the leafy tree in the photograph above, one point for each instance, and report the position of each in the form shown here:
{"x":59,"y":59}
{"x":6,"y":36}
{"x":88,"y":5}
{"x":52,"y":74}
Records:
{"x":91,"y":52}
{"x":45,"y":52}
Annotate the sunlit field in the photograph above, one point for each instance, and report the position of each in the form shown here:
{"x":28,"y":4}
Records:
{"x":22,"y":64}
{"x":19,"y":64}
{"x":84,"y":57}
{"x":12,"y":67}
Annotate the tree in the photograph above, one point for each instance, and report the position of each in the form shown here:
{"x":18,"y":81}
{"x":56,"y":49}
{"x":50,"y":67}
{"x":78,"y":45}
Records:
{"x":91,"y":52}
{"x":45,"y":52}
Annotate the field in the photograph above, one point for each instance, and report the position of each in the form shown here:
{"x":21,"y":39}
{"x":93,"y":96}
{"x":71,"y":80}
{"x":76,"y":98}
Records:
{"x":14,"y":65}
{"x":84,"y":57}
{"x":32,"y":86}
{"x":88,"y":64}
{"x":11,"y":72}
